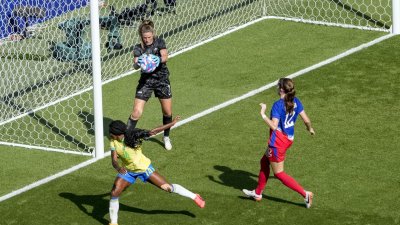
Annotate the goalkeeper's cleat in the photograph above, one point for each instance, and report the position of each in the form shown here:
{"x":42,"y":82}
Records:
{"x":167,"y":143}
{"x":199,"y":201}
{"x":308,"y":199}
{"x":252,"y":194}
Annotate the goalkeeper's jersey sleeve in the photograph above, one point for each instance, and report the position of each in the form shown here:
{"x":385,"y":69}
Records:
{"x":132,"y":158}
{"x":157,"y":45}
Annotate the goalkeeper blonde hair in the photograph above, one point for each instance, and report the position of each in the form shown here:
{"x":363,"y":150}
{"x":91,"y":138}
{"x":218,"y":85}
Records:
{"x":145,"y":27}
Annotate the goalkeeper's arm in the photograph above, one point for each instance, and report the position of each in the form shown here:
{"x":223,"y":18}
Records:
{"x":135,"y":63}
{"x":164,"y":55}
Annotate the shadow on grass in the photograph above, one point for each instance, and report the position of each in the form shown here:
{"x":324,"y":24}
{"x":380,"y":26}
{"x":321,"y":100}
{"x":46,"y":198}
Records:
{"x":88,"y":120}
{"x":275,"y":199}
{"x":237,"y":179}
{"x":157,"y":141}
{"x":240,"y":179}
{"x":100,"y":205}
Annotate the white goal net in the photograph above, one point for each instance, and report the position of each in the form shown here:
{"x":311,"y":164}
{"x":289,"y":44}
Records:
{"x":362,"y":14}
{"x":46,"y":99}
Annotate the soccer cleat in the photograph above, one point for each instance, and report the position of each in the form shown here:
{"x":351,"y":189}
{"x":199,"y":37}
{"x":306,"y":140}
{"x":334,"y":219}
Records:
{"x":199,"y":201}
{"x":308,"y":199}
{"x":113,"y":224}
{"x":167,"y":143}
{"x":252,"y":194}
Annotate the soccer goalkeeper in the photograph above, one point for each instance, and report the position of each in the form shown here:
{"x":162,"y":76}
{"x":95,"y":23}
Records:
{"x":156,"y":81}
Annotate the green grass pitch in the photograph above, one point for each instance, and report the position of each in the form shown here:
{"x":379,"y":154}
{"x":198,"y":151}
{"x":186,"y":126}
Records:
{"x":351,"y":164}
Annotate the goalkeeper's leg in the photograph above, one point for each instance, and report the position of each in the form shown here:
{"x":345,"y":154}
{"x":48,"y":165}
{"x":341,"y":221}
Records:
{"x":136,"y":113}
{"x":166,"y":105}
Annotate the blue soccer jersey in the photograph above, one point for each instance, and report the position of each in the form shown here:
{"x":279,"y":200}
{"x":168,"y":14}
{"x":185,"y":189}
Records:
{"x":286,"y":121}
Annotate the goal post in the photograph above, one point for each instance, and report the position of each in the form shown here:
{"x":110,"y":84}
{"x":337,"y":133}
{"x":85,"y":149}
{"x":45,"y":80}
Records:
{"x":97,"y":89}
{"x":396,"y":16}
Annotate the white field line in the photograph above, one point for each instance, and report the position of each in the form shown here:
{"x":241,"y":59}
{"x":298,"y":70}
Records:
{"x":328,"y":24}
{"x":204,"y":113}
{"x":47,"y":179}
{"x":45,"y":148}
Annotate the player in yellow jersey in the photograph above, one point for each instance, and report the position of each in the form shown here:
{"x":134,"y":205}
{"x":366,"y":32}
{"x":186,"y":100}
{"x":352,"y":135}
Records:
{"x":126,"y":144}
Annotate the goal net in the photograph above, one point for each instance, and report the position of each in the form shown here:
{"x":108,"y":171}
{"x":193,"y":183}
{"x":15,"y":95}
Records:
{"x":46,"y":83}
{"x":361,"y":14}
{"x":46,"y":96}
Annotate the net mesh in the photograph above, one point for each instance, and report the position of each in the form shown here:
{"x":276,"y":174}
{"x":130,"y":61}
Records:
{"x":46,"y":100}
{"x":363,"y":14}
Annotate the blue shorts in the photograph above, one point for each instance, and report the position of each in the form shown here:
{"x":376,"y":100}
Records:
{"x":131,"y":176}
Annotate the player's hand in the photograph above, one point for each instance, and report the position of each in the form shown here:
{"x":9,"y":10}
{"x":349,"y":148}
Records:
{"x":122,"y":170}
{"x":140,"y":60}
{"x":176,"y":119}
{"x":155,"y":59}
{"x":136,"y":65}
{"x":263,"y":108}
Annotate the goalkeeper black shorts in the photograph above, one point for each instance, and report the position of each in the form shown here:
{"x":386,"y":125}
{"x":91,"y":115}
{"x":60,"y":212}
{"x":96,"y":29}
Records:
{"x":160,"y":87}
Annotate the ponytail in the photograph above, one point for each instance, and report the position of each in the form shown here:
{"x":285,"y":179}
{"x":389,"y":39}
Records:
{"x":134,"y":137}
{"x":288,"y":87}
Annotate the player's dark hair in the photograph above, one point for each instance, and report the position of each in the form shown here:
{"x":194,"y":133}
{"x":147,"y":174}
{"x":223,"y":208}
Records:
{"x":117,"y":127}
{"x":287,"y":85}
{"x":134,"y":137}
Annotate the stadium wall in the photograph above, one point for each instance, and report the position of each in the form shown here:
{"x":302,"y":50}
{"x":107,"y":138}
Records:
{"x":52,"y":9}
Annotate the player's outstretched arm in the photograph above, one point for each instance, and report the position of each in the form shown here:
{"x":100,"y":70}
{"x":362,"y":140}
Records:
{"x":307,"y":122}
{"x":165,"y":126}
{"x":273,"y":124}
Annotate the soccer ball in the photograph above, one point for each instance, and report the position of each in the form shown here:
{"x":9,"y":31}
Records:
{"x":148,"y":62}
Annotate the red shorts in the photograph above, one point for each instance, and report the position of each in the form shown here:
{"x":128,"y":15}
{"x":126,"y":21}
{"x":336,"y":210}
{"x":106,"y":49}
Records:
{"x":278,"y":143}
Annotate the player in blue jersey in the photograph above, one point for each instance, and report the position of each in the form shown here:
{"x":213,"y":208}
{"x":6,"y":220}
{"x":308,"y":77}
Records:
{"x":284,"y":113}
{"x":156,"y":81}
{"x":126,"y":147}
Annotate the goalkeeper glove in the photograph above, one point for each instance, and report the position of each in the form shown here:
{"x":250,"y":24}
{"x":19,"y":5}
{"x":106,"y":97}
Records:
{"x":155,"y":59}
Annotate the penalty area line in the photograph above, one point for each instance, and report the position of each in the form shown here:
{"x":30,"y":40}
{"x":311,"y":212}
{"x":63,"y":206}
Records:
{"x":203,"y":113}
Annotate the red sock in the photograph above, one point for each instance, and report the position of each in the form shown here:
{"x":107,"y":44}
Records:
{"x":263,"y":175}
{"x":290,"y":183}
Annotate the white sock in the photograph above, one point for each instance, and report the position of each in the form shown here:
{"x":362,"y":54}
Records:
{"x":183,"y":191}
{"x":114,"y":207}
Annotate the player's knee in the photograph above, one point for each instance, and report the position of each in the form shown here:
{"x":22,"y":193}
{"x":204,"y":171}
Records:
{"x":279,"y":175}
{"x":115,"y":193}
{"x":264,"y":161}
{"x":166,"y":187}
{"x":136,"y":113}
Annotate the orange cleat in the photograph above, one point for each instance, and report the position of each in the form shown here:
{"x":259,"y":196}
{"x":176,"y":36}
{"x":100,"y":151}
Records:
{"x":199,"y":201}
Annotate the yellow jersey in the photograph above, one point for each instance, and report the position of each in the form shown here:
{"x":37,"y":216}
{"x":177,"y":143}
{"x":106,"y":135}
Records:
{"x":132,"y":158}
